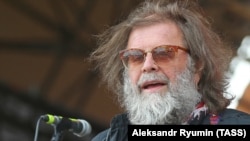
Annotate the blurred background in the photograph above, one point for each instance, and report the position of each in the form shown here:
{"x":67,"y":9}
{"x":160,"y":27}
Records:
{"x":43,"y":69}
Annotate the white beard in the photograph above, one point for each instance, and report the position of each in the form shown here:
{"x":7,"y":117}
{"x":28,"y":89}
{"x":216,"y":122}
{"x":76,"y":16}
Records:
{"x":171,"y":107}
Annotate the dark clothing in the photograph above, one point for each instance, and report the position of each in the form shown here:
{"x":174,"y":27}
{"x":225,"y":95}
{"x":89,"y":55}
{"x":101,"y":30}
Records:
{"x":118,"y":129}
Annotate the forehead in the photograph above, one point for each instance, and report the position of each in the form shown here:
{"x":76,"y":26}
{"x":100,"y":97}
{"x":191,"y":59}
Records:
{"x":149,"y":36}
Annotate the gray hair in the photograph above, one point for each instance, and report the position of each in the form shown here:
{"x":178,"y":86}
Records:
{"x":210,"y":54}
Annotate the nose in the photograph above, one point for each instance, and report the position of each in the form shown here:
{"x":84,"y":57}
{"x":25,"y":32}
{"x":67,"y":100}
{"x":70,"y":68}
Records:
{"x":149,"y":64}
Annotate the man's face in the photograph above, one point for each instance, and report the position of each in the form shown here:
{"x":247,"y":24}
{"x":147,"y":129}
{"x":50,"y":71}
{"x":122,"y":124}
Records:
{"x":148,"y":37}
{"x":157,"y":93}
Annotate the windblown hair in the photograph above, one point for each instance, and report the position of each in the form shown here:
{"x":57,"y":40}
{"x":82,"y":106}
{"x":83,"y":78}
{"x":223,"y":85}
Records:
{"x":209,"y":52}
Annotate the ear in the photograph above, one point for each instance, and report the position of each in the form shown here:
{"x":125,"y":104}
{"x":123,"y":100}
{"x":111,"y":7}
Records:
{"x":197,"y":77}
{"x":199,"y":66}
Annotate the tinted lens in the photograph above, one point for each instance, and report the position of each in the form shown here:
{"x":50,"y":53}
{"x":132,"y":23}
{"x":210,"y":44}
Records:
{"x":163,"y":54}
{"x":132,"y":57}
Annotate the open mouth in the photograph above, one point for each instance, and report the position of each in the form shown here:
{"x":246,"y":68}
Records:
{"x":152,"y":84}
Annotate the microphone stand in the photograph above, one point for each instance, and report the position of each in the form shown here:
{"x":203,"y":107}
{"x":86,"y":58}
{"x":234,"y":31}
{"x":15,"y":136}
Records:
{"x":63,"y":125}
{"x":58,"y":130}
{"x":57,"y":135}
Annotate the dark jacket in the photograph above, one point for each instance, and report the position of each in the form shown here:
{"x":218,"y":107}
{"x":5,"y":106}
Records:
{"x":119,"y":124}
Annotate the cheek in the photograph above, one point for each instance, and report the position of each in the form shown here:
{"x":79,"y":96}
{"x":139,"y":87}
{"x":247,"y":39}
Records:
{"x":134,"y":77}
{"x":171,"y":75}
{"x":172,"y":71}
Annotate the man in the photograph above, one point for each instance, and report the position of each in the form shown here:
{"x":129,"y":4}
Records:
{"x":166,"y":66}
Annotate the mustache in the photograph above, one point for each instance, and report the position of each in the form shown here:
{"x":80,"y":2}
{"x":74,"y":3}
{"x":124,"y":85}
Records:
{"x":153,"y":77}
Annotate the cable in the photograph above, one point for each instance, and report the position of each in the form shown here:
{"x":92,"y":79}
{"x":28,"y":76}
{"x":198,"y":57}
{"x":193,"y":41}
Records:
{"x":37,"y":128}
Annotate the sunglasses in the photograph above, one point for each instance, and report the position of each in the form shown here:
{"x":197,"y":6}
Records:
{"x":161,"y":54}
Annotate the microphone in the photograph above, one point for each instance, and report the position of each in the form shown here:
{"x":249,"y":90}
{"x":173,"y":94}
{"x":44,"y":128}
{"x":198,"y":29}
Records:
{"x":79,"y":127}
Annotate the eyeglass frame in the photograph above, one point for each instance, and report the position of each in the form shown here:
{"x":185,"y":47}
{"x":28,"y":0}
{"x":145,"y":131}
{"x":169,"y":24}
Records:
{"x":174,"y":47}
